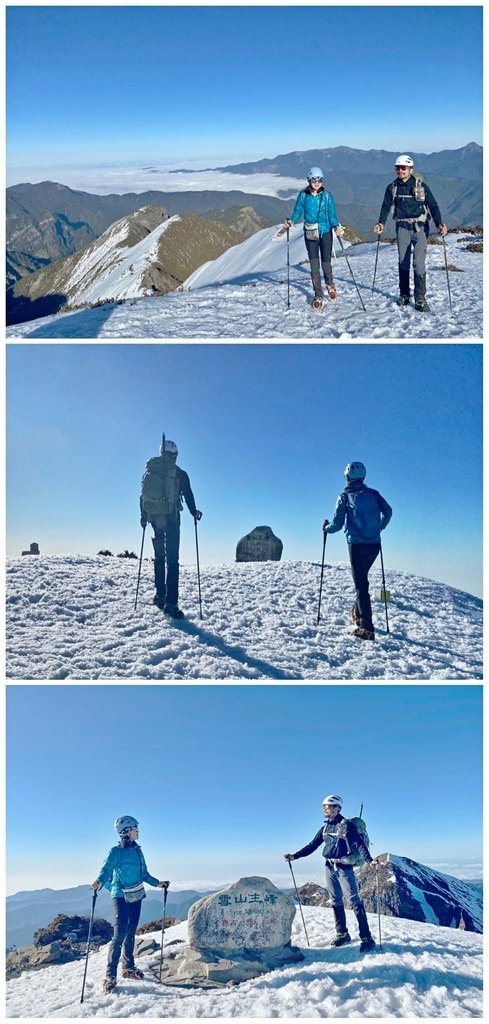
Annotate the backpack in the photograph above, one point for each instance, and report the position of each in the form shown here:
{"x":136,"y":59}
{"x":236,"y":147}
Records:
{"x":355,"y":857}
{"x":159,"y":489}
{"x":419,"y":194}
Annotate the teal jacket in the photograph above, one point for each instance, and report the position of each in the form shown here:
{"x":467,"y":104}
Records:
{"x":316,"y":209}
{"x":363,"y":512}
{"x":124,"y":865}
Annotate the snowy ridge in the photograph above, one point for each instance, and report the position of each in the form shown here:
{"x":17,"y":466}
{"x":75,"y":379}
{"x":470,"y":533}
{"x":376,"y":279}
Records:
{"x":243,"y":294}
{"x":72,"y":617}
{"x":422,"y":970}
{"x":441,"y":899}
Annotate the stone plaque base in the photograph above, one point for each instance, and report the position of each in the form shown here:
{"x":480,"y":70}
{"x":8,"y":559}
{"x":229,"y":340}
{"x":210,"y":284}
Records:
{"x":198,"y":969}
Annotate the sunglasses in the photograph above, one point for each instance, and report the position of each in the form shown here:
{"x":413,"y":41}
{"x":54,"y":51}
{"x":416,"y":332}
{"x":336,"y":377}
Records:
{"x":316,"y":179}
{"x":401,"y":167}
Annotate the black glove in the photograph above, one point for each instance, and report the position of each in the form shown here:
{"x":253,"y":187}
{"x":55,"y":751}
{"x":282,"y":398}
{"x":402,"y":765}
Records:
{"x":325,"y":524}
{"x":144,"y":520}
{"x":197,"y":515}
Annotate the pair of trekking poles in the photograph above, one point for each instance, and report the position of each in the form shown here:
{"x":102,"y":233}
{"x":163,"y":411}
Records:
{"x":302,"y":915}
{"x":198,"y":568}
{"x":446,"y":268}
{"x":384,"y":591}
{"x":90,"y":929}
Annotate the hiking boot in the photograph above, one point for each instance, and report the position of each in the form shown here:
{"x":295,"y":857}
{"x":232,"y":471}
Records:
{"x":317,"y":302}
{"x":355,"y":616}
{"x":173,"y":611}
{"x":367,"y":944}
{"x":132,"y":972}
{"x":364,"y":634}
{"x":422,"y":306}
{"x":109,"y":983}
{"x":403,"y":300}
{"x":341,"y":940}
{"x":331,"y":291}
{"x":342,"y":935}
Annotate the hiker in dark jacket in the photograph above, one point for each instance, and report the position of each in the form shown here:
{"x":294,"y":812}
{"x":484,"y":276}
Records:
{"x":339,"y":836}
{"x":125,"y":869}
{"x":364,"y":513}
{"x":162,"y":509}
{"x":413,"y":203}
{"x":320,"y":219}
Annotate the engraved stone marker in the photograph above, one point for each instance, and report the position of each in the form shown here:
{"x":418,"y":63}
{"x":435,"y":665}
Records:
{"x":261,"y":545}
{"x":251,"y":914}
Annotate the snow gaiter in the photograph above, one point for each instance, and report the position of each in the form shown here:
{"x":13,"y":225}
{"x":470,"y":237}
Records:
{"x":419,"y":286}
{"x":316,"y":279}
{"x":363,"y":928}
{"x":328,"y":273}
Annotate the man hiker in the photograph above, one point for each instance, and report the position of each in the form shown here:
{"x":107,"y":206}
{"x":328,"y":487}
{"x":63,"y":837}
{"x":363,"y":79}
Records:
{"x":163,"y":486}
{"x":413,"y":203}
{"x":364,"y":513}
{"x":340,"y":837}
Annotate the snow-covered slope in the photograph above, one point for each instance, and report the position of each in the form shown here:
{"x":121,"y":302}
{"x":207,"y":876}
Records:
{"x":243,"y":294}
{"x":72,"y":617}
{"x":422,"y":970}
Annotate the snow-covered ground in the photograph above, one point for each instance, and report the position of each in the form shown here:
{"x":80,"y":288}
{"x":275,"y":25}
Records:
{"x":72,"y":617}
{"x":421,"y":971}
{"x":243,"y":294}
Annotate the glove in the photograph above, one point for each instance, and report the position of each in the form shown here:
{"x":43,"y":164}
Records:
{"x":289,"y":856}
{"x":378,"y":228}
{"x":96,"y":885}
{"x":288,"y":223}
{"x":339,"y":231}
{"x":325,"y":524}
{"x":197,"y":515}
{"x":443,"y":229}
{"x":143,"y":520}
{"x":163,"y":885}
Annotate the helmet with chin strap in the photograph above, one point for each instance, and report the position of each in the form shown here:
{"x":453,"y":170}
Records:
{"x":404,"y":161}
{"x":314,"y":172}
{"x":355,"y":471}
{"x":125,"y":824}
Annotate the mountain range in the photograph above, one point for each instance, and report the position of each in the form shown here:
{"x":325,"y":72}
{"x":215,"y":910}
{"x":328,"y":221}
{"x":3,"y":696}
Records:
{"x":407,"y":889}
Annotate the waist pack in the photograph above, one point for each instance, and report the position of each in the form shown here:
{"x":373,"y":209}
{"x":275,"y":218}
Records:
{"x":159,"y":488}
{"x":134,"y":893}
{"x":311,"y":231}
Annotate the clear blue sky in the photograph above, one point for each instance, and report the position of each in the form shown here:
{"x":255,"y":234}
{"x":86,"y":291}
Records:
{"x":264,"y":432}
{"x":225,"y":779}
{"x":146,"y":83}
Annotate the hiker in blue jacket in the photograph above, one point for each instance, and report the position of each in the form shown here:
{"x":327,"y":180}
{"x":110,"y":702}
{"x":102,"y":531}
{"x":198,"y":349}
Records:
{"x":340,"y":837}
{"x":413,"y":204}
{"x":123,"y":873}
{"x":320,"y":219}
{"x":364,"y":513}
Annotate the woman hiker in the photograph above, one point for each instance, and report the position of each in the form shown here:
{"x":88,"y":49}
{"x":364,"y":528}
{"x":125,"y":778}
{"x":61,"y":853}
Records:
{"x":319,"y":212}
{"x":123,"y":873}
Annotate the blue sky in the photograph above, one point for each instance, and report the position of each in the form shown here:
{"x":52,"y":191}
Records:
{"x":264,"y":431}
{"x":225,"y":779}
{"x":95,"y":83}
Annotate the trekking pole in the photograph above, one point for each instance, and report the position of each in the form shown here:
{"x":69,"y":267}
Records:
{"x":299,"y":902}
{"x":378,"y":904}
{"x":376,"y":258}
{"x":140,"y":564}
{"x":352,"y":274}
{"x":287,"y":269}
{"x":198,"y":566}
{"x":165,"y":890}
{"x":322,"y":573}
{"x":88,"y":943}
{"x":383,"y":587}
{"x":446,"y":268}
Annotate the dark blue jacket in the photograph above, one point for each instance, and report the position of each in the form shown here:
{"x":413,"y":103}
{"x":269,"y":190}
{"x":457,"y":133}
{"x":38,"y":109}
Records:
{"x":336,"y":846}
{"x":405,"y":205}
{"x":363,"y":512}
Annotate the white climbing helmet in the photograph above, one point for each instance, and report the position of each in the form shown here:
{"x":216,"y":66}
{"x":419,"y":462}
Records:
{"x":355,"y":471}
{"x":333,"y":800}
{"x":314,"y":172}
{"x":405,"y":160}
{"x":170,"y":447}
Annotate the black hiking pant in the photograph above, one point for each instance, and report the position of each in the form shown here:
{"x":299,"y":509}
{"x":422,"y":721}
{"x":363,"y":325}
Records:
{"x":126,"y":920}
{"x":166,"y":543}
{"x":362,"y":558}
{"x":323,"y":246}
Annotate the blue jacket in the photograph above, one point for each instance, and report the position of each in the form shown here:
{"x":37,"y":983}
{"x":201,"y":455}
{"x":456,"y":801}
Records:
{"x":316,"y":209}
{"x":362,"y":511}
{"x":124,"y":865}
{"x":336,"y":845}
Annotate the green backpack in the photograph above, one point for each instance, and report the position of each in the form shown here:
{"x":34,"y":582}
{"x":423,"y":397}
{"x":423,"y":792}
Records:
{"x":355,"y":857}
{"x":159,"y":489}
